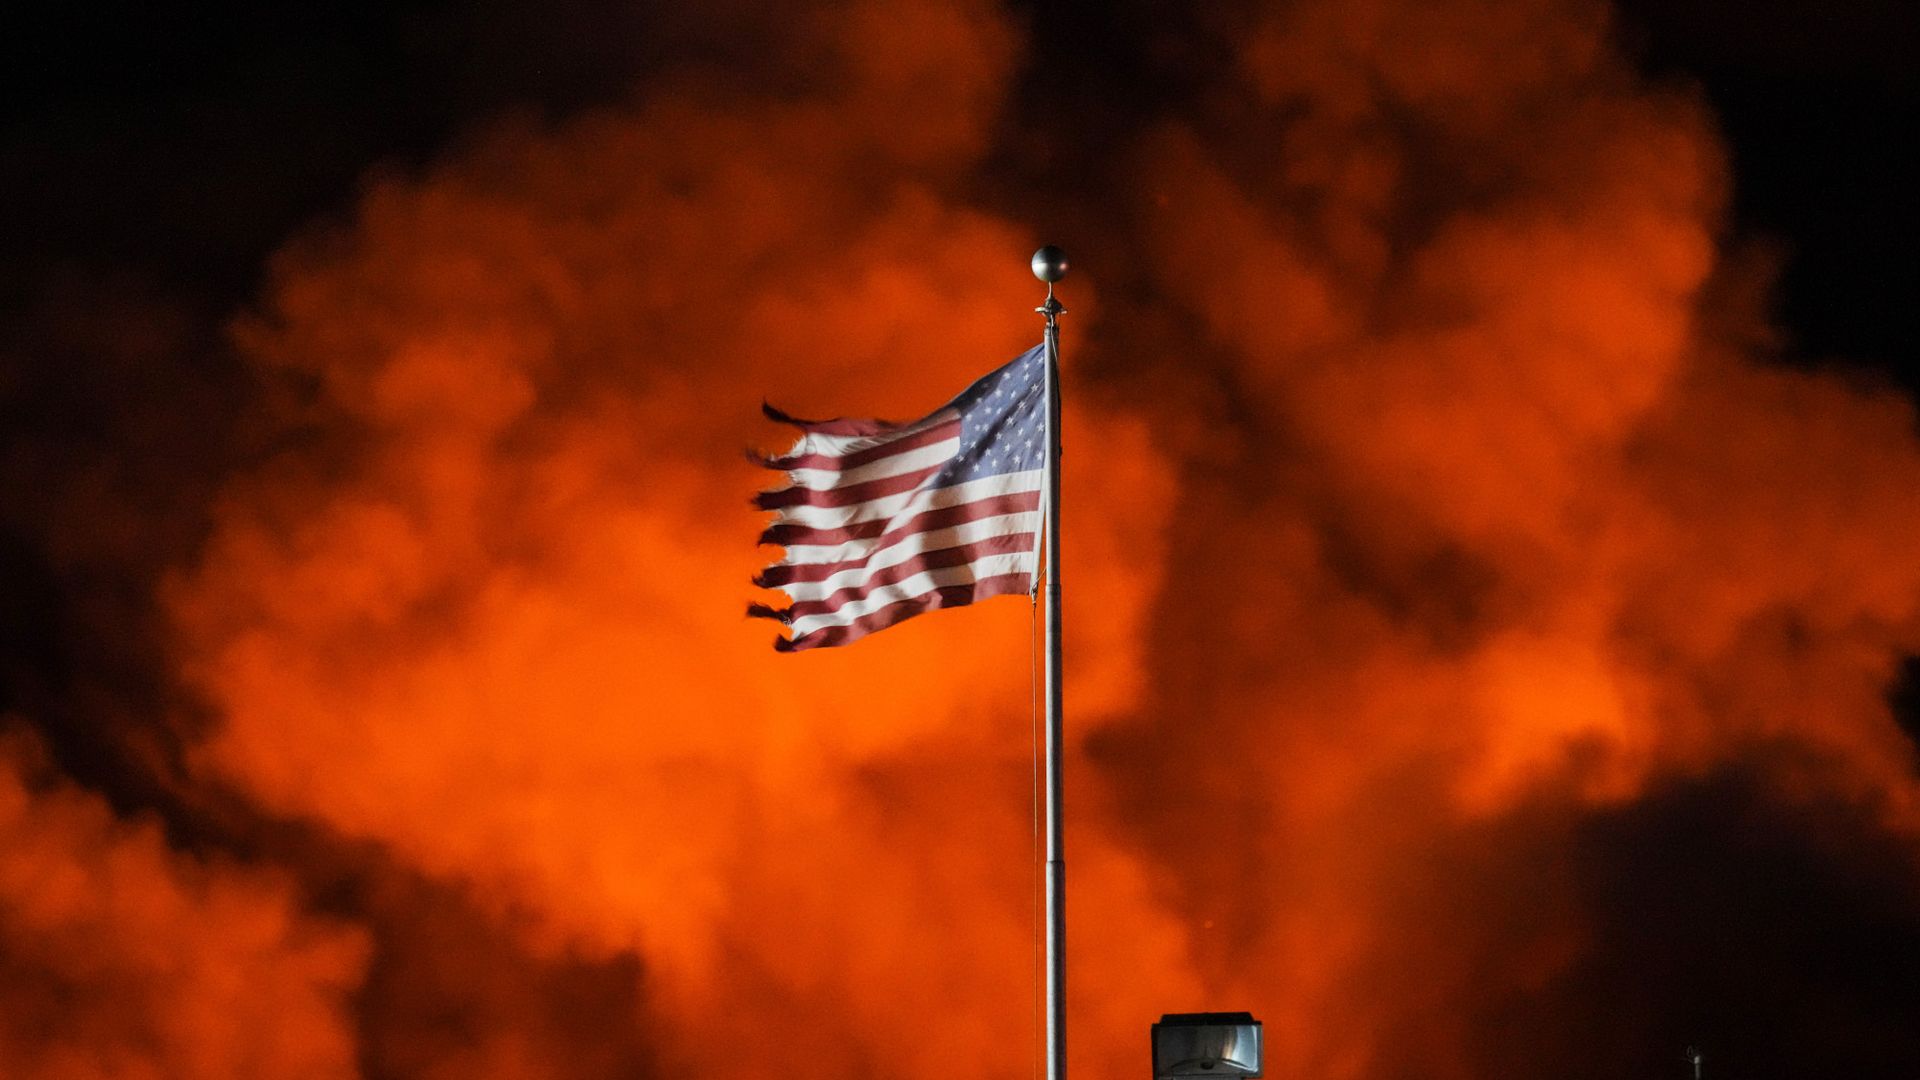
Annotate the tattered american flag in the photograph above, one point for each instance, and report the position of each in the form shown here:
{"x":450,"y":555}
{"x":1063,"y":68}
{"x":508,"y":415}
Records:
{"x":884,"y":521}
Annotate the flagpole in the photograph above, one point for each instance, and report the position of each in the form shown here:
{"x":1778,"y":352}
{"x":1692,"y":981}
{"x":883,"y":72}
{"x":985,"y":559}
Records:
{"x":1050,"y":265}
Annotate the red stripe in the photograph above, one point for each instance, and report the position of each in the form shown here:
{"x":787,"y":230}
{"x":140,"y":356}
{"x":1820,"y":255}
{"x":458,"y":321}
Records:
{"x":851,"y":495}
{"x":893,"y":614}
{"x":782,"y":574}
{"x":927,"y":520}
{"x":910,"y":441}
{"x":839,"y":426}
{"x":940,"y":559}
{"x":790,"y":535}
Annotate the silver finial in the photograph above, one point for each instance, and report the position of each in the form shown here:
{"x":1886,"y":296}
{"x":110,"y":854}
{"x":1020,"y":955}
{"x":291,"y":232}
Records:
{"x":1049,"y":264}
{"x":1695,"y":1057}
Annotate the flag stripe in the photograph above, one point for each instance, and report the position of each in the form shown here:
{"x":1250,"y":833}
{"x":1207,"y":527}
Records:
{"x":800,"y":578}
{"x":827,"y":597}
{"x":908,"y":587}
{"x":807,"y":545}
{"x":938,"y":452}
{"x":840,"y":438}
{"x":856,"y":495}
{"x":952,"y":596}
{"x":889,"y":506}
{"x":806,"y":456}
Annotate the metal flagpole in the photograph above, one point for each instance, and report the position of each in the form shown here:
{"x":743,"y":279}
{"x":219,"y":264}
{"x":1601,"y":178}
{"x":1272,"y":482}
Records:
{"x":1050,"y":265}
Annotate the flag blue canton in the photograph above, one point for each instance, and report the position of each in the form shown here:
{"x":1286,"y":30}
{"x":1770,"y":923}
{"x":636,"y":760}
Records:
{"x":1003,"y":422}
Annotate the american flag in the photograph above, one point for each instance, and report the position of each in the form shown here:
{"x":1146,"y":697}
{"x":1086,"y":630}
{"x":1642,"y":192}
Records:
{"x":884,"y":521}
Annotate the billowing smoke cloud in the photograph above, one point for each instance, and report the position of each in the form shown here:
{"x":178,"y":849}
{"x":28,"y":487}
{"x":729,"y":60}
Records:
{"x":1518,"y":526}
{"x":123,"y":958}
{"x":1441,"y":537}
{"x":486,"y":609}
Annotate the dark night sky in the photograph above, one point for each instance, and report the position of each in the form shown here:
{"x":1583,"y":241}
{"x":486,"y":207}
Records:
{"x":177,"y":149}
{"x":153,"y":159}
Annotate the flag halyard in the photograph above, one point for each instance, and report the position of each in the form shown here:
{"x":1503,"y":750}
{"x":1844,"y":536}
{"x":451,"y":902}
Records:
{"x":882,"y":522}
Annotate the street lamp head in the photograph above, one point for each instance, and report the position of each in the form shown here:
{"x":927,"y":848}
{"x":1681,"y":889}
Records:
{"x":1206,"y":1044}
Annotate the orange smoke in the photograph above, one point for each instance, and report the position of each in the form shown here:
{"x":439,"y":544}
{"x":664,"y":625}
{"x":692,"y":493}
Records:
{"x":1458,"y":519}
{"x":1527,"y":533}
{"x":487,"y":610}
{"x":126,"y":959}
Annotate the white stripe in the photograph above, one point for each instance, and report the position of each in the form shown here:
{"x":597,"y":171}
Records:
{"x":812,"y":554}
{"x":917,"y":585}
{"x":815,"y":442}
{"x":924,"y":457}
{"x":912,"y":546}
{"x":908,"y":503}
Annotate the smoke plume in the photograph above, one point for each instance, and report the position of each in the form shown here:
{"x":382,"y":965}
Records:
{"x":126,"y":959}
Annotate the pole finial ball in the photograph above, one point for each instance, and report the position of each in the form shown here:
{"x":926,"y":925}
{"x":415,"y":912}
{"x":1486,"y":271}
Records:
{"x":1049,"y":264}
